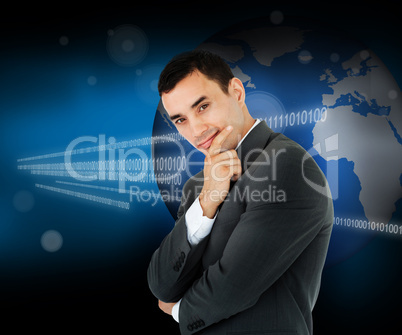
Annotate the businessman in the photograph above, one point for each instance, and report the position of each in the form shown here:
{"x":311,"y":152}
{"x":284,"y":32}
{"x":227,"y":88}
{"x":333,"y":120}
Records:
{"x":247,"y":251}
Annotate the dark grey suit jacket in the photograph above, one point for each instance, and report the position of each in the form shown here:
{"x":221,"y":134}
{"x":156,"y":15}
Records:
{"x":259,"y":270}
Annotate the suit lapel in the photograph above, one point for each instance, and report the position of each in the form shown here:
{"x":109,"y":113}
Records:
{"x":230,"y":210}
{"x":253,"y":144}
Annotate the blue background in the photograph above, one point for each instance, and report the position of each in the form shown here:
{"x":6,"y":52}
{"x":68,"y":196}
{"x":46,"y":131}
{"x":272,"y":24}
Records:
{"x":98,"y":276}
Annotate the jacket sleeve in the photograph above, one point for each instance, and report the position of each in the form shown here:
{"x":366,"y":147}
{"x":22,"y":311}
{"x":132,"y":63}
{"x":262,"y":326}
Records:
{"x":175,"y":265}
{"x":269,"y":237}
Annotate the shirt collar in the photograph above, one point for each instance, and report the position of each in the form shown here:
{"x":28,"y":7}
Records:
{"x":257,"y":121}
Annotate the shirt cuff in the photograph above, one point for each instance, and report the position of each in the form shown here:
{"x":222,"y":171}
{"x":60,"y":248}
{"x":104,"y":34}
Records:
{"x":198,"y":225}
{"x":175,"y":311}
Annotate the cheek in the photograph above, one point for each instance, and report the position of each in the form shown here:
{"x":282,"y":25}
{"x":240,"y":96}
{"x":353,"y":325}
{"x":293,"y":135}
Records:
{"x":186,"y":134}
{"x":232,"y":115}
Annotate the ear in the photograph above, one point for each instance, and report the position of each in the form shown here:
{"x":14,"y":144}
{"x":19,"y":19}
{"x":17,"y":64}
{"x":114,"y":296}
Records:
{"x":237,"y":89}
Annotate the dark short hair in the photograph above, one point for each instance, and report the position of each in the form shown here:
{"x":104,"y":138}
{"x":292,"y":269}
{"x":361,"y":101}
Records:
{"x":182,"y":65}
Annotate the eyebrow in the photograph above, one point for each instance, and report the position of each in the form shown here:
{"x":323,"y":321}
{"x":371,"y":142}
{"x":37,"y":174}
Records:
{"x":200,"y":99}
{"x":174,"y":116}
{"x":195,"y":104}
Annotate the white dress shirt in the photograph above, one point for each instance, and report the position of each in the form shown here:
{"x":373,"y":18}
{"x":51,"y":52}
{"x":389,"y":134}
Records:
{"x":199,"y":226}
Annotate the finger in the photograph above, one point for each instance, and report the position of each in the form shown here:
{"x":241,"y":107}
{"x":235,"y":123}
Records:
{"x":237,"y":171}
{"x":236,"y":168}
{"x":228,"y":155}
{"x":227,"y":158}
{"x":216,"y":144}
{"x":225,"y":169}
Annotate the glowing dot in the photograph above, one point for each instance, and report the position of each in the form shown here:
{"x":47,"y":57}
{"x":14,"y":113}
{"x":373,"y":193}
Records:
{"x":23,"y":201}
{"x":138,"y":72}
{"x":364,"y":54}
{"x":305,"y":57}
{"x":146,"y":85}
{"x":392,"y":94}
{"x":92,"y":80}
{"x":127,"y":45}
{"x":334,"y":57}
{"x":276,"y":17}
{"x":51,"y":240}
{"x":63,"y":40}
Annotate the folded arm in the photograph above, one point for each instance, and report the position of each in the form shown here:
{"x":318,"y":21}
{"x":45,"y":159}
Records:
{"x":176,"y":263}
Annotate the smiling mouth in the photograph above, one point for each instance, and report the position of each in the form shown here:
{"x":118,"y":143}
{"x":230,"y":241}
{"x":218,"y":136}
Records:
{"x":206,"y":144}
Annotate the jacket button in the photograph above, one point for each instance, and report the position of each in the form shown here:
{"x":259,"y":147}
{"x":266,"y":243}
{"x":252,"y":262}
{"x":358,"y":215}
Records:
{"x":176,"y":268}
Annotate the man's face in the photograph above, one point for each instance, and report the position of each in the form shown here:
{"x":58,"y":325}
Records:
{"x":200,"y":110}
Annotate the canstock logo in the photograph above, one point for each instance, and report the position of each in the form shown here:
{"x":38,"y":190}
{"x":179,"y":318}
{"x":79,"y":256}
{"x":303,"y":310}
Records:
{"x":327,"y":150}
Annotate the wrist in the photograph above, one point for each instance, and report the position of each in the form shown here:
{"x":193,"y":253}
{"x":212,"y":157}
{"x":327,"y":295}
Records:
{"x":209,"y":208}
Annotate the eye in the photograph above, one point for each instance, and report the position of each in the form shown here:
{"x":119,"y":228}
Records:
{"x":178,"y":121}
{"x":204,"y":107}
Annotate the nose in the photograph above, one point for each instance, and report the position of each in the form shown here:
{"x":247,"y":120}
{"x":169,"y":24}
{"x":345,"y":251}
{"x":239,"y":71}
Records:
{"x":197,"y":127}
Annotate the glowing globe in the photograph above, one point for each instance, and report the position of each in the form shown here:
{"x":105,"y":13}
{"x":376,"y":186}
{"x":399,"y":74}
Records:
{"x":329,"y":93}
